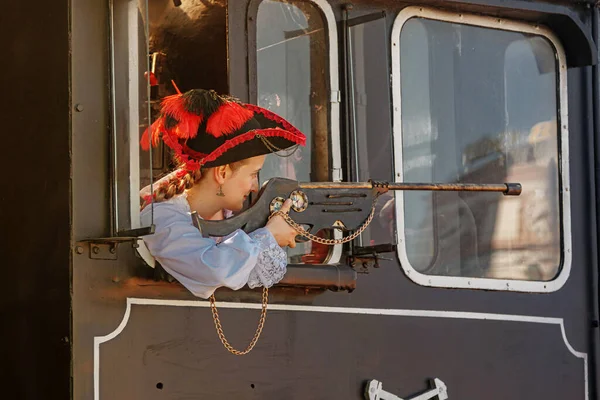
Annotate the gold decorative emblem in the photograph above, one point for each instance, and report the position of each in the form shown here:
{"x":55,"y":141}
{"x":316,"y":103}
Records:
{"x":276,"y":204}
{"x":299,"y":201}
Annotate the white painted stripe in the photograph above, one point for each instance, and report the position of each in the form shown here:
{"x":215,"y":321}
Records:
{"x":98,"y":340}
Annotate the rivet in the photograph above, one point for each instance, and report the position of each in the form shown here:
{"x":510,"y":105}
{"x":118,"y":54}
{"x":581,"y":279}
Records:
{"x":95,"y":249}
{"x":79,"y":250}
{"x":79,"y":107}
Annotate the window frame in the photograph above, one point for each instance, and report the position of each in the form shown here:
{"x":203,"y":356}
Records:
{"x":562,"y":116}
{"x":335,"y":172}
{"x":135,"y":86}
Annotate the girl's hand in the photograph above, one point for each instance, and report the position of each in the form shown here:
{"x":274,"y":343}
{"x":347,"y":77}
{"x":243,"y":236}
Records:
{"x":281,"y":230}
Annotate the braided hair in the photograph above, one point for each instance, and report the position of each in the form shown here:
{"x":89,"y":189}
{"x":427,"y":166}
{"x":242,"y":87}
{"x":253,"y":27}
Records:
{"x":178,"y":182}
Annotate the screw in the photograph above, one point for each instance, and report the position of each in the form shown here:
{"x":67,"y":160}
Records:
{"x":135,"y":245}
{"x":95,"y":249}
{"x":79,"y":107}
{"x":113,"y":249}
{"x":79,"y":250}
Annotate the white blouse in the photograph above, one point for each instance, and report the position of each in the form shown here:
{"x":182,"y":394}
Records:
{"x":202,"y":264}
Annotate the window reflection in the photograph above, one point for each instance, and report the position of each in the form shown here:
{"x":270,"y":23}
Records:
{"x":292,"y":79}
{"x":480,"y":106}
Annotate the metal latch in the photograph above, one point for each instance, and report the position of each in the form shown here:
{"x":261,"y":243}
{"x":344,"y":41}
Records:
{"x":364,"y":258}
{"x":374,"y":391}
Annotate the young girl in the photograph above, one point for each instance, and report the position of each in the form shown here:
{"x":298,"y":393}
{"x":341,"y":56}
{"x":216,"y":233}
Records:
{"x":221,"y":146}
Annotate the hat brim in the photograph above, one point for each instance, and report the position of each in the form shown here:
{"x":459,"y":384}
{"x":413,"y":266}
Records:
{"x":266,"y":133}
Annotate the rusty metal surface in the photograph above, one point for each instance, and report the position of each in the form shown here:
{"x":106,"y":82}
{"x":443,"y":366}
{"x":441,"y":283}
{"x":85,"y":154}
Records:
{"x":506,"y":188}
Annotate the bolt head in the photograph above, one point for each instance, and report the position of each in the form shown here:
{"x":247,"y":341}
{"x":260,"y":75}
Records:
{"x":96,"y":249}
{"x":79,"y":250}
{"x":79,"y":107}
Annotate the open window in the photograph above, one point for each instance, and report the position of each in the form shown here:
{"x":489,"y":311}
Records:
{"x":481,"y":100}
{"x":155,"y":45}
{"x":293,"y":65}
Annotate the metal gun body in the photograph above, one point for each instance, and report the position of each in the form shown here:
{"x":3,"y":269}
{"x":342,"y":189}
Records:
{"x":341,"y":205}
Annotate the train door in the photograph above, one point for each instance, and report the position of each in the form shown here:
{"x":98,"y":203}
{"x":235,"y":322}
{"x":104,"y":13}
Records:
{"x":488,"y":296}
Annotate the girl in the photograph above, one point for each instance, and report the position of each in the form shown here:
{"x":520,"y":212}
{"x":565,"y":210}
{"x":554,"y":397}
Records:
{"x":221,"y":146}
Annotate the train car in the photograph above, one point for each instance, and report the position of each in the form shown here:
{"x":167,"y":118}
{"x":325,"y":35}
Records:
{"x":455,"y":294}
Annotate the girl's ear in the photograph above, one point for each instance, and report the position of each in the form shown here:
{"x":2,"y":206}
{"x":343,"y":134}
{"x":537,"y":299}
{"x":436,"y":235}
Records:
{"x":221,"y":173}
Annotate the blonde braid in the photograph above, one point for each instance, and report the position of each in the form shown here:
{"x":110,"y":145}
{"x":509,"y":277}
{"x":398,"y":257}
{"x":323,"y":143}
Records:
{"x":175,"y":185}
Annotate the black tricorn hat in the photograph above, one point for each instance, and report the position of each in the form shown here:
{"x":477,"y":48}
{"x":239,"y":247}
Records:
{"x":205,"y":129}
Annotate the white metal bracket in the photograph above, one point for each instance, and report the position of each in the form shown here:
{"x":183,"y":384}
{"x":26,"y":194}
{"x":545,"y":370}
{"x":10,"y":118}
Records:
{"x":438,"y":391}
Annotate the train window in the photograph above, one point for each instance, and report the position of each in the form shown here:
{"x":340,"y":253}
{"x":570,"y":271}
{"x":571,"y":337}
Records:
{"x":294,"y":53}
{"x":158,"y":46}
{"x":481,"y":100}
{"x":371,"y":120}
{"x":131,"y":111}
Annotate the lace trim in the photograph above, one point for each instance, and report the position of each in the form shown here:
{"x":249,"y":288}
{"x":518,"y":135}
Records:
{"x":274,"y":117}
{"x":272,"y":260}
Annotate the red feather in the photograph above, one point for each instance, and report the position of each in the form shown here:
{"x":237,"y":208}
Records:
{"x":228,"y":118}
{"x":156,"y":128}
{"x":175,"y":107}
{"x":187,"y":127}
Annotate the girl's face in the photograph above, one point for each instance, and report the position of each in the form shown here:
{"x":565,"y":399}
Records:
{"x":240,"y":182}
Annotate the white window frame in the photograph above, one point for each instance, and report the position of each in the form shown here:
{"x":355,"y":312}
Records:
{"x":134,"y":86}
{"x":334,"y":107}
{"x":565,"y":206}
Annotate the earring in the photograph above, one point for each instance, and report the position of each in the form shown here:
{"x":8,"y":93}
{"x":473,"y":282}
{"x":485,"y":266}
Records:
{"x":220,"y":192}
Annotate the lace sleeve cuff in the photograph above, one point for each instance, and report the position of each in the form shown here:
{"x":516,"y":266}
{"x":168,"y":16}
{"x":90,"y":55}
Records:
{"x":271,"y":263}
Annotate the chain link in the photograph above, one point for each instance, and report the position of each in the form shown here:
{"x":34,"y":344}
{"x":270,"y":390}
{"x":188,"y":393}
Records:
{"x":259,"y":328}
{"x":330,"y":242}
{"x":276,"y":149}
{"x":265,"y":295}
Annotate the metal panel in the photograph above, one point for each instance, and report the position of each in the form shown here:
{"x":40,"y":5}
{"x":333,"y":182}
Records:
{"x":35,"y":213}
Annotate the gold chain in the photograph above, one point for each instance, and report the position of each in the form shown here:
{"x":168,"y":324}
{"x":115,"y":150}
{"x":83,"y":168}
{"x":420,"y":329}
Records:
{"x":330,"y":242}
{"x":261,"y":323}
{"x":265,"y":295}
{"x":276,"y":149}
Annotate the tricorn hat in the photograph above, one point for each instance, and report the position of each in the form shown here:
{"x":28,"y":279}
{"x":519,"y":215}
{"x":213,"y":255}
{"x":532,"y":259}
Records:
{"x":205,"y":129}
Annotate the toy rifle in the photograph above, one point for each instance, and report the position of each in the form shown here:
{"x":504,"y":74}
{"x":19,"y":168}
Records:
{"x":348,"y":206}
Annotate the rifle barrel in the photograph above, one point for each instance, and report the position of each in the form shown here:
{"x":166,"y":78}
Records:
{"x":509,"y":189}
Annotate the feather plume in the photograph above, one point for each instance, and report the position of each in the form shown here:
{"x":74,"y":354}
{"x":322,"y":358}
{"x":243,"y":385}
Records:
{"x":156,"y":128}
{"x":179,"y":118}
{"x":228,"y":118}
{"x":203,"y":102}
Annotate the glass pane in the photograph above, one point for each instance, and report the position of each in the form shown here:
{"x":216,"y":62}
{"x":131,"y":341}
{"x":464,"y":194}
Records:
{"x":292,"y":69}
{"x":131,"y":93}
{"x":372,"y":121}
{"x":480,"y":106}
